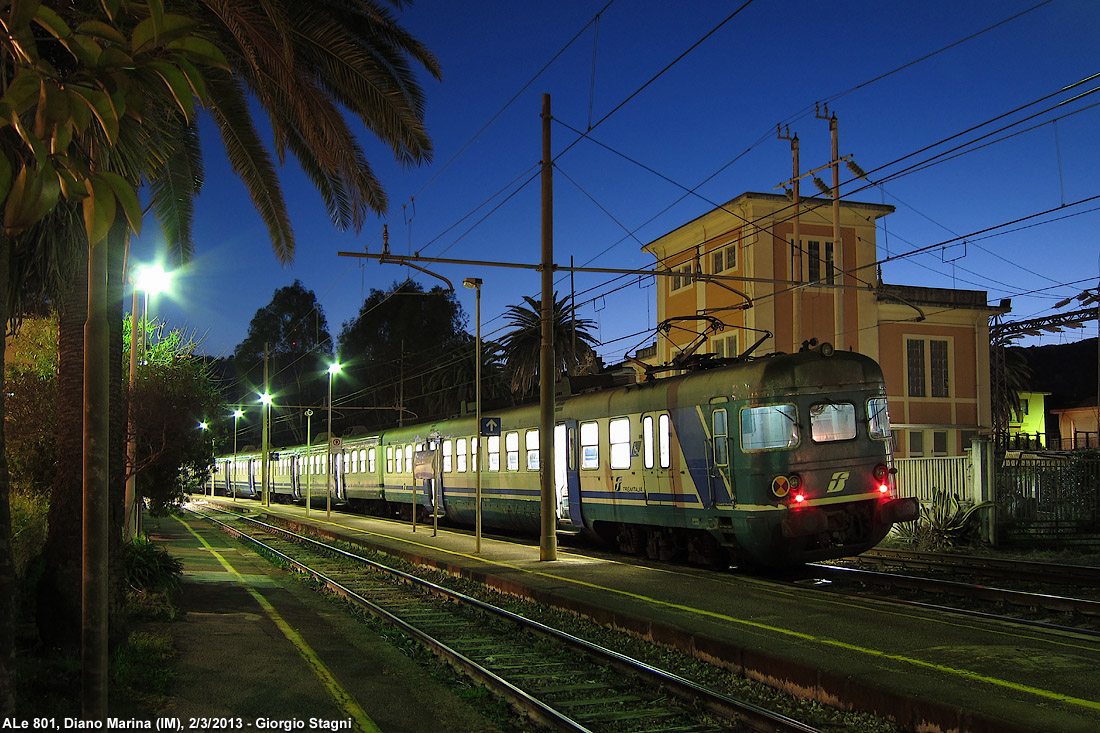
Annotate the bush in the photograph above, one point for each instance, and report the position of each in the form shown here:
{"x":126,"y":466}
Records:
{"x":943,"y":525}
{"x":149,"y":567}
{"x":28,"y":528}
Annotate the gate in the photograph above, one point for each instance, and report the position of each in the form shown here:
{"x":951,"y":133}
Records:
{"x":1049,"y":498}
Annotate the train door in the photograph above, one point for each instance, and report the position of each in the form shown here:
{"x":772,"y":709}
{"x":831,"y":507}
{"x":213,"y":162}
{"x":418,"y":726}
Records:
{"x":721,"y":477}
{"x":656,"y":458}
{"x":567,"y":482}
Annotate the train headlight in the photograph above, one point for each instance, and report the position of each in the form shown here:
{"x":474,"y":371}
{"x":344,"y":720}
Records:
{"x":795,"y":480}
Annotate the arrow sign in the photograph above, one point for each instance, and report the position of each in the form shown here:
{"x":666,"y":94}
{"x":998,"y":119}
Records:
{"x":490,"y":426}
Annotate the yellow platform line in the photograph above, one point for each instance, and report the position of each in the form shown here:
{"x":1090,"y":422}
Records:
{"x":340,"y":696}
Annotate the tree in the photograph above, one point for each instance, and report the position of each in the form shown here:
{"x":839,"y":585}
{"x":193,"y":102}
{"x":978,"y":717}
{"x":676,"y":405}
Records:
{"x":295,"y":330}
{"x":454,"y":381}
{"x":574,"y":351}
{"x":305,"y":63}
{"x":74,"y":87}
{"x":173,"y":393}
{"x":397,"y":340}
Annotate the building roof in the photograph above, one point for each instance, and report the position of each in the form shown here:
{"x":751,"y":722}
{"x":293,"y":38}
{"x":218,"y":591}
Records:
{"x":937,"y":297}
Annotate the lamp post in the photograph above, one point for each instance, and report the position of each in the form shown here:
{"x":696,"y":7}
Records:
{"x":151,"y":279}
{"x":309,"y":457}
{"x":333,"y":370}
{"x":265,"y":412}
{"x":237,"y":415}
{"x":474,"y":283}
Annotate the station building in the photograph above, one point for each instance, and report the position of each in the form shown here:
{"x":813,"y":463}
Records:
{"x":733,"y":279}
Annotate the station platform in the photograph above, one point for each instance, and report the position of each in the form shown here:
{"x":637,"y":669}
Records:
{"x":257,"y":649}
{"x":927,"y":670}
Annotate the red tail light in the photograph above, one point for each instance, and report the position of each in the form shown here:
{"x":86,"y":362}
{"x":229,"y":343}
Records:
{"x":799,"y":498}
{"x":883,"y":489}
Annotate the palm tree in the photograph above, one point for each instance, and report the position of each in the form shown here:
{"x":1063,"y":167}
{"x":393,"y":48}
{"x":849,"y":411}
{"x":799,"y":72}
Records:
{"x":574,"y":351}
{"x":305,"y":63}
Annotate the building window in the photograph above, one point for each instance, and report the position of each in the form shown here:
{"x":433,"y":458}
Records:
{"x":818,"y":262}
{"x":681,"y":277}
{"x":928,"y":367}
{"x":724,"y":258}
{"x":916,"y":443}
{"x":725,"y":347}
{"x":939,"y":442}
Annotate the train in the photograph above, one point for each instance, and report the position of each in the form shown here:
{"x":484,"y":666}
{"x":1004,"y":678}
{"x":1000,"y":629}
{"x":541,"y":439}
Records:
{"x":768,"y":462}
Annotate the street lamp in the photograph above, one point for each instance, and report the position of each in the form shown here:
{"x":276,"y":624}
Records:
{"x":265,"y":401}
{"x":333,"y":370}
{"x":237,"y":415}
{"x":309,"y":458}
{"x":474,"y":283}
{"x":204,"y":426}
{"x":148,"y":279}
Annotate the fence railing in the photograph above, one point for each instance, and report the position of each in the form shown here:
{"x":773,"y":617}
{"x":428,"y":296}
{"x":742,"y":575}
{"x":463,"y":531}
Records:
{"x":922,"y":477}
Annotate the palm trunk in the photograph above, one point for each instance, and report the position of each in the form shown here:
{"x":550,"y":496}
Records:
{"x":7,"y":562}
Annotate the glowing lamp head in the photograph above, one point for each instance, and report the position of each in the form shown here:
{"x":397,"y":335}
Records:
{"x":883,"y":488}
{"x":334,"y":369}
{"x":152,"y":279}
{"x":799,"y":498}
{"x":238,"y":414}
{"x":265,"y":398}
{"x":203,"y":425}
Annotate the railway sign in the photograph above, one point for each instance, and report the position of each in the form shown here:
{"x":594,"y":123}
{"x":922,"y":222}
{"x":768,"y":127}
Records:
{"x":490,"y":426}
{"x":335,"y":445}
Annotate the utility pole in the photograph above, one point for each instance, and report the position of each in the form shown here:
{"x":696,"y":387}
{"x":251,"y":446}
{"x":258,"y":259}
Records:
{"x":796,"y":250}
{"x":838,"y":246}
{"x":548,"y":543}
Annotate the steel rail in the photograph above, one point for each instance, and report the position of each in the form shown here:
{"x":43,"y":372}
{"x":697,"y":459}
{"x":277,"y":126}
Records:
{"x":725,"y":706}
{"x":967,"y":590}
{"x":1030,"y":569}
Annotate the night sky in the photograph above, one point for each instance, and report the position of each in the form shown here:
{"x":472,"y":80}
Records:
{"x":666,"y":147}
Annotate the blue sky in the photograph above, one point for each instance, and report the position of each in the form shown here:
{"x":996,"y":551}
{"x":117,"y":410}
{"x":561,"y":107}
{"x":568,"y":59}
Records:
{"x":707,"y":124}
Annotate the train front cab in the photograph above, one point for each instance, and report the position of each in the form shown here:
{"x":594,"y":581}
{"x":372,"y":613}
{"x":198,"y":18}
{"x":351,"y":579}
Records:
{"x":816,"y":478}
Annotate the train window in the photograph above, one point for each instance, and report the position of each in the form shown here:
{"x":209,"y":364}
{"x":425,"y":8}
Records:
{"x":878,"y":418}
{"x":370,"y":460}
{"x":474,"y":453}
{"x":448,"y":464}
{"x":618,"y":431}
{"x":768,"y":427}
{"x":831,"y":421}
{"x":409,"y":451}
{"x":531,"y":443}
{"x":389,"y":459}
{"x":590,"y":445}
{"x":664,"y":441}
{"x":511,"y":447}
{"x":647,"y":441}
{"x":460,"y":446}
{"x":720,"y":437}
{"x":492,"y":447}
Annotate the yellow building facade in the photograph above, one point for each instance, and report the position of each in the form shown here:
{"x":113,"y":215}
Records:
{"x":733,"y":277}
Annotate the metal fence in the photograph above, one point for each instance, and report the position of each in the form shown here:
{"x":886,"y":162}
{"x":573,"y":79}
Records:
{"x":1062,"y":488}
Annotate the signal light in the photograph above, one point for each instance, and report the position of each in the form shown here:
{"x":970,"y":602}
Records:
{"x":799,"y":498}
{"x":883,"y":488}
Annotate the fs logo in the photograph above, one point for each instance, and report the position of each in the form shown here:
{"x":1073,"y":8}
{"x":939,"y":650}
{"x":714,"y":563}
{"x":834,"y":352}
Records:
{"x":836,"y":483}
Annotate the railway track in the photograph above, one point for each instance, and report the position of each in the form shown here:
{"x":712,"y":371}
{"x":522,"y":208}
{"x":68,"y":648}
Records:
{"x":1032,"y":609}
{"x":1044,"y":572}
{"x":561,"y":681}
